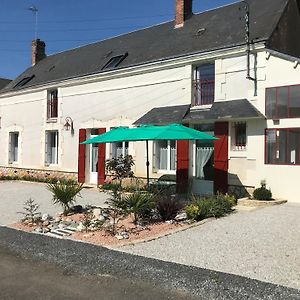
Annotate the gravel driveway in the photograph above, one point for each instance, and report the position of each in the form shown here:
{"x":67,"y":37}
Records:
{"x":14,"y":194}
{"x":263,"y":244}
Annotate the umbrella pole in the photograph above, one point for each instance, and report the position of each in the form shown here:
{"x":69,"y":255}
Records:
{"x":147,"y":163}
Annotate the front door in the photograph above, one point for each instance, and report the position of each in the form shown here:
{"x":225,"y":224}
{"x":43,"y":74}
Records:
{"x":93,"y":163}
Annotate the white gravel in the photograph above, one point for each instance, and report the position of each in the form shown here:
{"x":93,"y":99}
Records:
{"x":14,"y":194}
{"x":262,"y":244}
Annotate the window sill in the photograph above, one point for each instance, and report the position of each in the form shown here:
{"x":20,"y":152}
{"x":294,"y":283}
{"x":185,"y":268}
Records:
{"x":51,"y":120}
{"x":166,"y":171}
{"x":239,"y":148}
{"x":201,"y":107}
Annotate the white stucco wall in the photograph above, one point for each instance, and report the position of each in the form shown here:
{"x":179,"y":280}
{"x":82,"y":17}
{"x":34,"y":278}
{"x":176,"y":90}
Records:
{"x":120,"y":100}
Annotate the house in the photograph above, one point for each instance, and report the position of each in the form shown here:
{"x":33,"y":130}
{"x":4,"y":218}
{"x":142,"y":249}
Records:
{"x":232,"y":71}
{"x":4,"y":82}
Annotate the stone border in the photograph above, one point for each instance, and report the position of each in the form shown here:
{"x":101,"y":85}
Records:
{"x":260,"y":203}
{"x":162,"y":234}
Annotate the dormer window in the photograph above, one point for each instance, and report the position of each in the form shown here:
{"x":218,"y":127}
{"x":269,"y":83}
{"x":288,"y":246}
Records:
{"x":204,"y":85}
{"x":114,"y":61}
{"x":24,"y":81}
{"x":52,"y":104}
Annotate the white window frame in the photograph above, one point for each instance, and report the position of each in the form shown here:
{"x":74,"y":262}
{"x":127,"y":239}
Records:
{"x":156,"y":158}
{"x":13,"y":150}
{"x":51,"y":160}
{"x":113,"y":151}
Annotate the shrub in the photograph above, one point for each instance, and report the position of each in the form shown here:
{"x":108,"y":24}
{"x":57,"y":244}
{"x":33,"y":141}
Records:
{"x":193,"y":211}
{"x":262,"y":194}
{"x":215,"y":206}
{"x":31,"y":212}
{"x":139,"y":204}
{"x":167,"y":207}
{"x":120,"y":167}
{"x":64,"y":193}
{"x":115,"y":208}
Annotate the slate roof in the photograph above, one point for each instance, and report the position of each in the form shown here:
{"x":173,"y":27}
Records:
{"x":222,"y":110}
{"x":225,"y":110}
{"x":164,"y":115}
{"x":223,"y":27}
{"x":4,"y":82}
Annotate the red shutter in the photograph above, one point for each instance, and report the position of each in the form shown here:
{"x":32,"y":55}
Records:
{"x":101,"y":159}
{"x":182,"y":171}
{"x":221,"y":158}
{"x":81,"y":156}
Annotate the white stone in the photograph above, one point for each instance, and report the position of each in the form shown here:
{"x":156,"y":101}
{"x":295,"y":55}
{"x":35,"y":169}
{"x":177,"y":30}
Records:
{"x":45,"y":217}
{"x":119,"y":236}
{"x":61,"y":226}
{"x":80,"y":227}
{"x":181,"y":217}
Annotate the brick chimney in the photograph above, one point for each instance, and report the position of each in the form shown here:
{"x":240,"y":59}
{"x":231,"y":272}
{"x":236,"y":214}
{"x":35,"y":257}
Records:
{"x":37,"y":51}
{"x":184,"y":10}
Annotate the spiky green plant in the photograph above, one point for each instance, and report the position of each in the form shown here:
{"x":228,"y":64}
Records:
{"x":64,"y":193}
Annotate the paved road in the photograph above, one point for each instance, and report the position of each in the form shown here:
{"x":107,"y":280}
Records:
{"x":94,"y":267}
{"x":14,"y":194}
{"x":30,"y":279}
{"x":263,"y":244}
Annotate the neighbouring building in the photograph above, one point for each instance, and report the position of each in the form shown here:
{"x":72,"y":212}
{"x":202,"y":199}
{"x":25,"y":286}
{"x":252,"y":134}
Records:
{"x":213,"y":71}
{"x":4,"y":82}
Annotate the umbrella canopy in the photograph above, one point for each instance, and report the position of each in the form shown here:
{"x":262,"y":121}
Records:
{"x":150,"y":133}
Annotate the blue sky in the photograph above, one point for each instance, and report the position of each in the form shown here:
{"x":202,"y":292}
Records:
{"x":66,"y":24}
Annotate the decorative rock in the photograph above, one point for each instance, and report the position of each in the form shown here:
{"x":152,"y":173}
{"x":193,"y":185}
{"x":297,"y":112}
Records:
{"x":46,"y":229}
{"x":46,"y":223}
{"x":101,"y":218}
{"x":97,"y":213}
{"x":105,"y":215}
{"x":38,"y":229}
{"x":119,"y":236}
{"x":45,"y":217}
{"x":181,"y":217}
{"x":124,"y":234}
{"x":169,"y":222}
{"x":80,"y":227}
{"x":57,"y":219}
{"x":61,"y":226}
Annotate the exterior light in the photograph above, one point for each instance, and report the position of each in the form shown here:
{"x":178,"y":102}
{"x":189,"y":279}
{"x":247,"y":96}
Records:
{"x":69,"y":125}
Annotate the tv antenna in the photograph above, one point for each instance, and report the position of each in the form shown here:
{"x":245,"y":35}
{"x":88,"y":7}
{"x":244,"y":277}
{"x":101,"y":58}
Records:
{"x":34,"y":10}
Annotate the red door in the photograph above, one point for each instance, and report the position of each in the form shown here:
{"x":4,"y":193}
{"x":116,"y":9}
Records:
{"x":221,"y":158}
{"x":182,"y":171}
{"x":101,"y":159}
{"x":81,"y":156}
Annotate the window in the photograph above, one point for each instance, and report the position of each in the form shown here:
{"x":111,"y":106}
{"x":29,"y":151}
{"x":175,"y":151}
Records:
{"x":52,"y":101}
{"x":239,"y":137}
{"x":283,"y":102}
{"x":114,"y":61}
{"x":24,"y":81}
{"x":118,"y":149}
{"x":282,"y":146}
{"x":51,"y":148}
{"x":13,"y":147}
{"x":204,"y":85}
{"x":165,"y":155}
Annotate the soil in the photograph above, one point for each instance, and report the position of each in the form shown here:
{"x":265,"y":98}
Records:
{"x":137,"y":233}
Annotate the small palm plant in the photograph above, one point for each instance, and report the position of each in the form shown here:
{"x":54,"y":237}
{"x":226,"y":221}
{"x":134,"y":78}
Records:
{"x":64,"y":193}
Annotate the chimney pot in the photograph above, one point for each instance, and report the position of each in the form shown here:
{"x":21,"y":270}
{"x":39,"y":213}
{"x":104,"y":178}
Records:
{"x":37,"y":51}
{"x":184,"y":10}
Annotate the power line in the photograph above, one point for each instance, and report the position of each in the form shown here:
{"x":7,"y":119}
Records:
{"x":90,"y":20}
{"x":81,"y":30}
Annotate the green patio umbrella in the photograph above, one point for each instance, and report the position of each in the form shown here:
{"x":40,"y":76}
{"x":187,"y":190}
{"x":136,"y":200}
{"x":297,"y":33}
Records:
{"x":150,"y":133}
